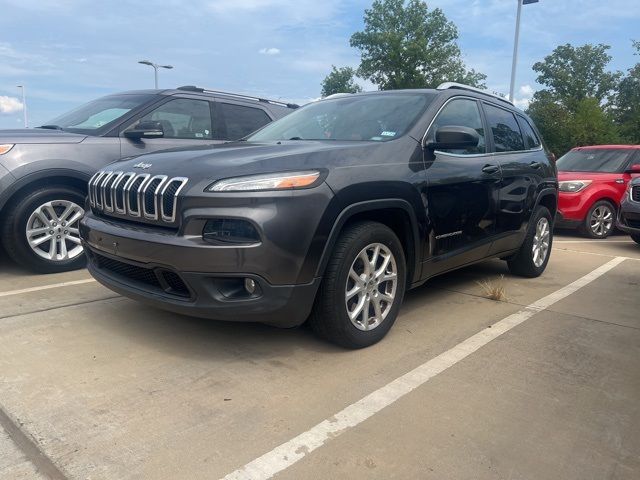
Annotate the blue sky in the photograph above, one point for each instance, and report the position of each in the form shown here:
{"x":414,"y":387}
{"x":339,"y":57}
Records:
{"x":69,"y":51}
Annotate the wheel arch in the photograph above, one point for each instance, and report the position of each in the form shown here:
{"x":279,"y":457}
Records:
{"x":548,"y":198}
{"x":58,"y":176}
{"x":395,"y":213}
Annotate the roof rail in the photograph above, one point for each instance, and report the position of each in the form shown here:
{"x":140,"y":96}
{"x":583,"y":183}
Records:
{"x":462,"y":86}
{"x":192,"y":88}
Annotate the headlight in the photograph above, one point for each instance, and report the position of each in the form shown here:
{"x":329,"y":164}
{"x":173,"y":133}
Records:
{"x":269,"y":181}
{"x":5,"y":147}
{"x":573,"y":186}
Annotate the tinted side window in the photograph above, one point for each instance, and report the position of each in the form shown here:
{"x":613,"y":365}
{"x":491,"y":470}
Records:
{"x":506,"y":133}
{"x":183,"y":118}
{"x":531,"y":140}
{"x":461,"y":112}
{"x":240,"y":120}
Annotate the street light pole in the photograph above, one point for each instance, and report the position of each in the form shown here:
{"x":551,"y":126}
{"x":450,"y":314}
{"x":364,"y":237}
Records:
{"x":515,"y":46}
{"x":24,"y":105}
{"x":155,"y":69}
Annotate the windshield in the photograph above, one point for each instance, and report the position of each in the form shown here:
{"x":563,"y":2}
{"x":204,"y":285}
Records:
{"x":378,"y":118}
{"x":99,"y":113}
{"x":592,"y":160}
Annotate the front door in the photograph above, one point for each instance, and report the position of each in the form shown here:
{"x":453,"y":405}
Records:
{"x":462,"y":192}
{"x":185,"y":122}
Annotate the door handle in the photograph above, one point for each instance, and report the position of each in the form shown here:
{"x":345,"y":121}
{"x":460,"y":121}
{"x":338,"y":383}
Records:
{"x":490,"y":168}
{"x":535,"y":164}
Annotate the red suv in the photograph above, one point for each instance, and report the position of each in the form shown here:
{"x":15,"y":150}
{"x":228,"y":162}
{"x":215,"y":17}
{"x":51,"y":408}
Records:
{"x":592,"y":183}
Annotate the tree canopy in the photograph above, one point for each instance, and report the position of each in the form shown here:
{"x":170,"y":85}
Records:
{"x":340,"y":80}
{"x":627,"y":102}
{"x":576,"y":107}
{"x":406,"y":45}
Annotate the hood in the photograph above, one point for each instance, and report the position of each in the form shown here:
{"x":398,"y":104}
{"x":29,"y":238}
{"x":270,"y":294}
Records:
{"x":593,"y":176}
{"x":39,"y":135}
{"x":246,"y":158}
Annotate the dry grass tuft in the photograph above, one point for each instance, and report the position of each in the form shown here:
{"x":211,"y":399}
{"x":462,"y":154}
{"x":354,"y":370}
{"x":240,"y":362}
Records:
{"x":494,"y":291}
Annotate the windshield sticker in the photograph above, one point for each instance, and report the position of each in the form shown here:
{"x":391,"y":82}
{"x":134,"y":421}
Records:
{"x":387,"y":133}
{"x":377,"y":139}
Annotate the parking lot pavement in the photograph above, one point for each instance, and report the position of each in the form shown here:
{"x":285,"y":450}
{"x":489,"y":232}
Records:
{"x":107,"y":388}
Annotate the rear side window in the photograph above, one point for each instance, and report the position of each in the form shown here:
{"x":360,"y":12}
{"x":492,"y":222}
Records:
{"x":461,"y":112}
{"x":505,"y":129}
{"x":240,"y":121}
{"x":531,"y":140}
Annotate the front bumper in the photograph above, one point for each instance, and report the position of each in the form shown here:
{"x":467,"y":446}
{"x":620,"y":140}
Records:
{"x":206,"y":295}
{"x":178,"y":270}
{"x":629,"y":217}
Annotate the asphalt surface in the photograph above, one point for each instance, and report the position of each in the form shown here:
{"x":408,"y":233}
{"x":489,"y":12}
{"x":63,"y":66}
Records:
{"x":95,"y":386}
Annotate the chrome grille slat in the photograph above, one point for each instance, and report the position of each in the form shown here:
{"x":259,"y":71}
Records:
{"x":152,"y":195}
{"x":138,"y":195}
{"x":181,"y":182}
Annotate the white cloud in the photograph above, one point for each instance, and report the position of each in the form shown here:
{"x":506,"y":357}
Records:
{"x":523,"y":97}
{"x":9,"y":104}
{"x":269,"y":51}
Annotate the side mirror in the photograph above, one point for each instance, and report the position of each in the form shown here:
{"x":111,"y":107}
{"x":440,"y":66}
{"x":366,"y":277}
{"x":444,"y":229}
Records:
{"x":453,"y":137}
{"x":635,"y":168}
{"x":145,"y":130}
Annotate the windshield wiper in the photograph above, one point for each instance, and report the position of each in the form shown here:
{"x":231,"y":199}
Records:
{"x":51,"y":127}
{"x":296,"y":138}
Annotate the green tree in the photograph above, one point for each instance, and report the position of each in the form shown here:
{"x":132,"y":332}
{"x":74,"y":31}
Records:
{"x":340,"y":80}
{"x":574,"y":73}
{"x":405,"y":45}
{"x":575,"y":107}
{"x":628,"y":102}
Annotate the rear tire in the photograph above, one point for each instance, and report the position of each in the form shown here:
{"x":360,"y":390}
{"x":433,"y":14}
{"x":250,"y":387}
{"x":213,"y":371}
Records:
{"x":636,"y":238}
{"x":357,"y":304}
{"x":533,"y":256}
{"x":40,"y":230}
{"x":600,"y":220}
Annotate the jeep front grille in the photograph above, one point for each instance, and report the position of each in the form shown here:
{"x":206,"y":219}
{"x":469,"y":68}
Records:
{"x":635,"y":193}
{"x":138,"y":195}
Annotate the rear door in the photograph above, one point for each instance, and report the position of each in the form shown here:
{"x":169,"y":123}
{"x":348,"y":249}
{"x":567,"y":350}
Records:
{"x":462,"y":192}
{"x":521,"y":160}
{"x":185,"y":122}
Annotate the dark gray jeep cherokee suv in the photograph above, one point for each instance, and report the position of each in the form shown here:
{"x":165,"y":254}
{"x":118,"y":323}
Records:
{"x":44,"y":171}
{"x":330,"y":213}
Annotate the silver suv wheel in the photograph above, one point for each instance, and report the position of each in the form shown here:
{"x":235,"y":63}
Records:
{"x":540,"y":247}
{"x":52,"y":230}
{"x":370,"y":290}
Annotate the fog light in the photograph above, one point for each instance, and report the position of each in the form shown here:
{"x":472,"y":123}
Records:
{"x":249,"y":285}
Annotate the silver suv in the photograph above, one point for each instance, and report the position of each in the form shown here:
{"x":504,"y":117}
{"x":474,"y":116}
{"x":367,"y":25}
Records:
{"x":44,"y":171}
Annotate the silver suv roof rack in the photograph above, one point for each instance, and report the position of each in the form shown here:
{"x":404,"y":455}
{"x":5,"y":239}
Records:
{"x":462,"y":86}
{"x":192,"y":88}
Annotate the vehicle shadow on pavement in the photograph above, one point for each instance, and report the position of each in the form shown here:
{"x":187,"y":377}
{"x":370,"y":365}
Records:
{"x":195,"y":338}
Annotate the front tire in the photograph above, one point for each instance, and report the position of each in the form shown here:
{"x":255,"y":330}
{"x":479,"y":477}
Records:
{"x":533,"y":256}
{"x":636,"y":238}
{"x":363,"y":286}
{"x":600,"y":220}
{"x":40,"y":231}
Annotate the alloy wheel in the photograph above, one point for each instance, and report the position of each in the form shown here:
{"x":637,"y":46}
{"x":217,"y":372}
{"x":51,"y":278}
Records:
{"x":370,"y":289}
{"x":541,"y":239}
{"x":52,"y":230}
{"x":601,"y":220}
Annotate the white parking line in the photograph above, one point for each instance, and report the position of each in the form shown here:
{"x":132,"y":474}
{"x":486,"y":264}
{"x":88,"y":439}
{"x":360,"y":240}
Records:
{"x":295,"y":449}
{"x":45,"y":287}
{"x":602,"y":242}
